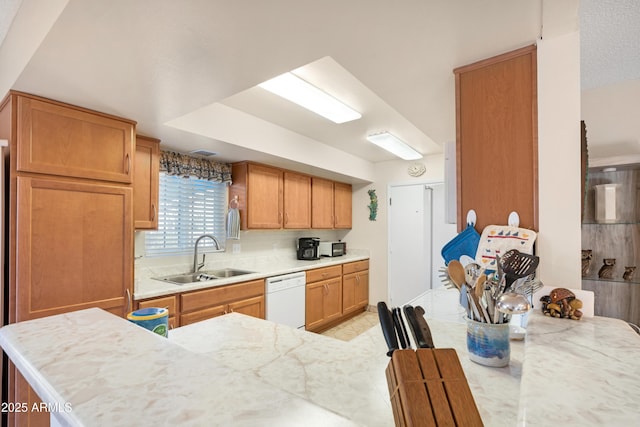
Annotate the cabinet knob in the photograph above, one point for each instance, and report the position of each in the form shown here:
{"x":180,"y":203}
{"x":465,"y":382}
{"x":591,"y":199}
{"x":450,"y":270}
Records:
{"x":127,"y":164}
{"x":153,"y":212}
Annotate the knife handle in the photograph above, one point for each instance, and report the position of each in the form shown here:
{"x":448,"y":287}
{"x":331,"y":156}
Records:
{"x":387,"y":327}
{"x":424,"y":326}
{"x":400,"y":328}
{"x":414,"y":326}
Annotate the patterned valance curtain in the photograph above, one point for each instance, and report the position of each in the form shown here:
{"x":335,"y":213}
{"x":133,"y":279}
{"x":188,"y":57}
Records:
{"x":184,"y":165}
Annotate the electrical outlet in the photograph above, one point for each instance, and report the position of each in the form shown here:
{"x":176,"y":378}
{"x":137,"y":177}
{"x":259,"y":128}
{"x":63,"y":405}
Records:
{"x":235,"y":248}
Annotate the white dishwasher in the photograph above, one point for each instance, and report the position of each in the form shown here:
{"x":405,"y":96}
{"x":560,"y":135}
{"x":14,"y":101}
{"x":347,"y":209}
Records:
{"x":286,"y":298}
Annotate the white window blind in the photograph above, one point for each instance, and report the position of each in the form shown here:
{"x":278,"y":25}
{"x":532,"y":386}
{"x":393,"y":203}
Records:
{"x":188,"y":208}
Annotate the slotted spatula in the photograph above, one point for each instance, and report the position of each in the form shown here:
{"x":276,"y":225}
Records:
{"x":516,"y":265}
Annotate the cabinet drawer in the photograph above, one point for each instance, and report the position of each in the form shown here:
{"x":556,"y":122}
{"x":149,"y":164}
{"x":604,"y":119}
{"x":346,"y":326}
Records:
{"x":324,"y":273}
{"x":221,"y":295}
{"x":352,"y":267}
{"x":170,"y":302}
{"x":200,"y":315}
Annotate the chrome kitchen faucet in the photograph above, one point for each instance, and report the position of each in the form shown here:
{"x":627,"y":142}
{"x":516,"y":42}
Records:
{"x":197,"y":266}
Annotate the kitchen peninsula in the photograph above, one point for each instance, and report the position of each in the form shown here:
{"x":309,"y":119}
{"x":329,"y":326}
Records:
{"x":237,"y":370}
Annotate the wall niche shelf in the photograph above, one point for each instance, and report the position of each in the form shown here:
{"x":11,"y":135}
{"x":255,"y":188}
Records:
{"x":619,"y":239}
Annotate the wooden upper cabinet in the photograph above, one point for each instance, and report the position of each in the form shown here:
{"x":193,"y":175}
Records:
{"x":74,"y":247}
{"x":145,"y":183}
{"x":321,"y":203}
{"x":270,"y":197}
{"x":297,"y":200}
{"x":331,"y":204}
{"x":342,"y":205}
{"x":59,"y":139}
{"x":259,"y":190}
{"x":497,"y":141}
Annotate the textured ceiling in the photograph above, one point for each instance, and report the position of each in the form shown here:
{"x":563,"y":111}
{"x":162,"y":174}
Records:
{"x":609,"y":42}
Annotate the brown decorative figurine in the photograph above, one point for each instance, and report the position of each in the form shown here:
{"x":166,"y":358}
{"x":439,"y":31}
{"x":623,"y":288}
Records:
{"x":628,"y":273}
{"x":606,"y":271}
{"x":587,"y":255}
{"x":562,"y":303}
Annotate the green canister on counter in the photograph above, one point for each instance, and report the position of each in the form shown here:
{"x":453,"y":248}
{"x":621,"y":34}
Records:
{"x":151,"y":318}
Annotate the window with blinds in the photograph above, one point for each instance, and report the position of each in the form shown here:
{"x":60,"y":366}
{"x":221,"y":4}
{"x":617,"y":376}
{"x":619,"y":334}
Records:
{"x":188,"y":208}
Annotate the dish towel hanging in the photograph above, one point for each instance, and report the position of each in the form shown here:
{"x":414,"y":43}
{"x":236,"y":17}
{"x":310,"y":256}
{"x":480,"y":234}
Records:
{"x":233,"y":221}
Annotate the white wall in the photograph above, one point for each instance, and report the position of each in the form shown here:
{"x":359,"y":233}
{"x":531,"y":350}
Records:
{"x":373,"y":235}
{"x":559,"y":237}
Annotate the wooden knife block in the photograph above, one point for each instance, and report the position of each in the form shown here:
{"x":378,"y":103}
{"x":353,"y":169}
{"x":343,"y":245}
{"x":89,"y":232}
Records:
{"x":428,"y":388}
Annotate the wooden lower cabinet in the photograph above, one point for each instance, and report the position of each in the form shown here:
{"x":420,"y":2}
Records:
{"x":323,"y":301}
{"x":335,"y":294}
{"x":246,"y":298}
{"x":355,"y":286}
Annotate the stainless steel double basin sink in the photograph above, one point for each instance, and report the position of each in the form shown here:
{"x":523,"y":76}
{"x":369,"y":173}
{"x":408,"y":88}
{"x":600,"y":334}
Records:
{"x":202,"y":276}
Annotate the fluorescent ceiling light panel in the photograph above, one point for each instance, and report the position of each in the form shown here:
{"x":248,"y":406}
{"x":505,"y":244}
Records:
{"x":394,"y":145}
{"x":293,"y":88}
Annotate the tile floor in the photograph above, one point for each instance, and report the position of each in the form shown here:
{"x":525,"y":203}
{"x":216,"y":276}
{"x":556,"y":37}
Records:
{"x":440,"y":303}
{"x":353,"y":327}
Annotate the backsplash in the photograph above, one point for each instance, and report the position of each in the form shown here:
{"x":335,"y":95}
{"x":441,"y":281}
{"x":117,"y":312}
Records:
{"x":251,"y":243}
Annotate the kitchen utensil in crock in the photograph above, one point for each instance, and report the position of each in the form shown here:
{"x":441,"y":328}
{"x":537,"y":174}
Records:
{"x":516,"y":265}
{"x":512,"y":303}
{"x":464,"y":300}
{"x":443,"y":273}
{"x":478,"y":287}
{"x":456,"y":272}
{"x":471,"y":273}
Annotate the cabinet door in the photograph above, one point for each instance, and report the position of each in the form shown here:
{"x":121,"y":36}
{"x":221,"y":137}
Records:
{"x":342,"y":209}
{"x":362,"y":289}
{"x":314,"y":305}
{"x":74,"y":247}
{"x":321,"y":203}
{"x":251,"y":307}
{"x":27,"y":395}
{"x":264,"y":197}
{"x":355,"y":291}
{"x":145,"y":183}
{"x":496,"y":121}
{"x":63,"y":140}
{"x":332,"y":304}
{"x":349,"y":293}
{"x":297,"y":200}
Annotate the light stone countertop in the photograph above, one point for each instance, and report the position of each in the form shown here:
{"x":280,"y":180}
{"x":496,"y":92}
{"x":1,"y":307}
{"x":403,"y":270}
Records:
{"x":583,"y":373}
{"x":580,"y":373}
{"x":264,"y":265}
{"x":111,"y":372}
{"x":345,"y":377}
